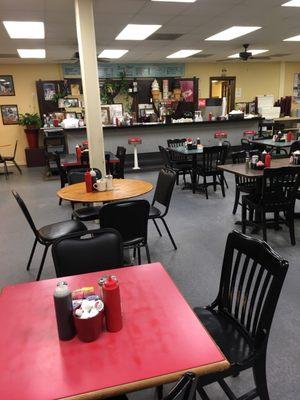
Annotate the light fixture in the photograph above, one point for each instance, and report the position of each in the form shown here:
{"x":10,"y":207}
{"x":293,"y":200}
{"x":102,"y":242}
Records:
{"x":254,"y":53}
{"x":234,"y":32}
{"x":177,"y":1}
{"x":293,"y":39}
{"x":183,"y":53}
{"x":292,"y":3}
{"x":32,"y":53}
{"x":112,"y":53}
{"x":137,"y":32}
{"x":25,"y":29}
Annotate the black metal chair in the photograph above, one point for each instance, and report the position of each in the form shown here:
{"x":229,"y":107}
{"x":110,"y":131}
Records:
{"x":213,"y":157}
{"x":240,"y":318}
{"x":130,"y":218}
{"x":118,"y":170}
{"x":179,"y":168}
{"x":12,"y":158}
{"x":163,"y":193}
{"x":294,"y":147}
{"x":48,"y":234}
{"x":88,"y":213}
{"x":242,"y":184}
{"x":278,"y":194}
{"x":78,"y":254}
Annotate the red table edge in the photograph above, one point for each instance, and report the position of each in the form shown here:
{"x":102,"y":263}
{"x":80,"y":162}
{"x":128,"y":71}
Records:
{"x":150,"y":382}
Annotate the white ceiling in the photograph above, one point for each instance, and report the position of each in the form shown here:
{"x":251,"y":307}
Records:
{"x":195,"y":21}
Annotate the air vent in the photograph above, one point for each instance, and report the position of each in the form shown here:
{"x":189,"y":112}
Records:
{"x":164,"y":36}
{"x":8,"y":55}
{"x":201,"y":55}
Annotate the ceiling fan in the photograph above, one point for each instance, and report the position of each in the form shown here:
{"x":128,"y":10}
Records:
{"x":246,"y":55}
{"x":75,"y":59}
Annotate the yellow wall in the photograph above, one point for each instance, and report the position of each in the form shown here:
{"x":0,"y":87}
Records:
{"x":24,"y":77}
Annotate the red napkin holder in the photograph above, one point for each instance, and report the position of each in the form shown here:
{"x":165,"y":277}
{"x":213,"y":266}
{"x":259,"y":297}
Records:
{"x":89,"y":329}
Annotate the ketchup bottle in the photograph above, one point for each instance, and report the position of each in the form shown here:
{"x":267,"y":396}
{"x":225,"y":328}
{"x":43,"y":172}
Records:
{"x":268,"y":160}
{"x":88,"y":181}
{"x":78,"y":154}
{"x":112,"y":304}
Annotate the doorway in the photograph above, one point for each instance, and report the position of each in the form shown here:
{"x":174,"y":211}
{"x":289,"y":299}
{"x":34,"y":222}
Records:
{"x":223,"y":86}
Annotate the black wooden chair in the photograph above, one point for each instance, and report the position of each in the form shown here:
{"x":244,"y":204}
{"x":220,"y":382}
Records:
{"x":184,"y":389}
{"x":240,"y":318}
{"x":48,"y":234}
{"x":242,"y":184}
{"x":245,"y":144}
{"x":163,"y":193}
{"x":278,"y":194}
{"x":12,"y":158}
{"x":88,"y":213}
{"x":294,"y":147}
{"x":179,"y":169}
{"x":130,"y":218}
{"x":78,"y":254}
{"x":213,"y":157}
{"x":118,"y":170}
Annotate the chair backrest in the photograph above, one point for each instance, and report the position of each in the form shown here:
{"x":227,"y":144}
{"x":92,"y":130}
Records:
{"x":212,"y":157}
{"x":85,"y":158}
{"x":165,"y":156}
{"x":185,"y":388}
{"x":173,"y":143}
{"x":25,"y":212}
{"x":295,"y":146}
{"x":77,"y":176}
{"x":130,"y":218}
{"x":15,"y":149}
{"x":251,"y":281}
{"x":164,"y":187}
{"x":238,"y":157}
{"x":279,"y":183}
{"x":245,"y":144}
{"x":119,"y":167}
{"x":88,"y":251}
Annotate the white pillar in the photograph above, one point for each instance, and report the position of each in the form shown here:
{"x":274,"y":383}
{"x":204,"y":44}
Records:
{"x":85,"y":27}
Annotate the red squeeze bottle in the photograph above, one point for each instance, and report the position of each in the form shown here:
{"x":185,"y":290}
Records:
{"x":268,"y":160}
{"x":112,"y":304}
{"x":88,"y":181}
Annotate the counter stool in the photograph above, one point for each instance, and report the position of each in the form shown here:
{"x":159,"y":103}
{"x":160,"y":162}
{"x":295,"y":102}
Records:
{"x":221,"y":135}
{"x":135,"y":141}
{"x":250,"y":134}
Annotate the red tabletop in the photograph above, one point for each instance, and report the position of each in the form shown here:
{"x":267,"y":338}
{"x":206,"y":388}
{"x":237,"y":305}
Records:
{"x":161,"y":336}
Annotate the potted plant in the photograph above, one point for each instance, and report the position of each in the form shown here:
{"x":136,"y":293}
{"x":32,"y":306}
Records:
{"x":32,"y":123}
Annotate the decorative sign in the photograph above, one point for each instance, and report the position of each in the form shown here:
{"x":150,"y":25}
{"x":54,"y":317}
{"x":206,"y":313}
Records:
{"x":110,"y":70}
{"x":201,"y":103}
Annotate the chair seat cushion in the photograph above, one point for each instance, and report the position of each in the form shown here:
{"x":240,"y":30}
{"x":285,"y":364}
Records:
{"x":87,"y":213}
{"x":154,"y":212}
{"x":50,"y":233}
{"x":234,"y":344}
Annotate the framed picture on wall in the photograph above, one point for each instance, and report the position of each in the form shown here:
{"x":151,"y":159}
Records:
{"x":105,"y":115}
{"x":10,"y":114}
{"x":7,"y":85}
{"x":71,"y":103}
{"x":49,"y":91}
{"x":115,"y":111}
{"x":70,"y":115}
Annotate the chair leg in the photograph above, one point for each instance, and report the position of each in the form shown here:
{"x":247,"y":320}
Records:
{"x":236,"y":200}
{"x":148,"y":253}
{"x":244,"y":217}
{"x":157,"y":227}
{"x":264,"y":225}
{"x":31,"y":254}
{"x":226,"y":183}
{"x":259,"y":373}
{"x":60,"y":201}
{"x":5,"y":170}
{"x":202,"y":393}
{"x":222,"y":185}
{"x":42,"y":263}
{"x":205,"y":187}
{"x":139,"y":255}
{"x":159,"y":392}
{"x":169,"y":233}
{"x":215,"y":183}
{"x":290,"y":217}
{"x":177,"y":178}
{"x":18,"y":168}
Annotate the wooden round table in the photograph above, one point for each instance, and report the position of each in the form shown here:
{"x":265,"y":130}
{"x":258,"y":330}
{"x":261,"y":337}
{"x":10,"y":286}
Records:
{"x":123,"y":189}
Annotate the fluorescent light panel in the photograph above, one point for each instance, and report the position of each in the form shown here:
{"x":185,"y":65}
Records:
{"x":112,"y":53}
{"x":234,"y":32}
{"x":254,"y":53}
{"x":32,"y":53}
{"x":177,"y":1}
{"x":183,"y":53}
{"x":25,"y":29}
{"x":137,"y":32}
{"x":292,"y":3}
{"x":293,"y":39}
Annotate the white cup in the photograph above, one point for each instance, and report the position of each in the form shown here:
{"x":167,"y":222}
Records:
{"x":100,"y":185}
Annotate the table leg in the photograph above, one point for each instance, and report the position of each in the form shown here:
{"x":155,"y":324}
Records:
{"x":194,"y":172}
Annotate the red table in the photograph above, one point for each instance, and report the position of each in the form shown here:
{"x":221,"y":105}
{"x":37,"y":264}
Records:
{"x":160,"y":339}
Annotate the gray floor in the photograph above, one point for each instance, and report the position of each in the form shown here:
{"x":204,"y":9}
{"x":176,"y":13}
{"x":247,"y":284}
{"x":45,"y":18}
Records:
{"x":200,"y":228}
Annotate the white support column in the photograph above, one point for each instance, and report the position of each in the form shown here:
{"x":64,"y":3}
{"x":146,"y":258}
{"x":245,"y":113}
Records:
{"x":85,"y":27}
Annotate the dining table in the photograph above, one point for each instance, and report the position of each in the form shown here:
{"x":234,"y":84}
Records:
{"x":273,"y":144}
{"x":160,"y":340}
{"x":122,"y":189}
